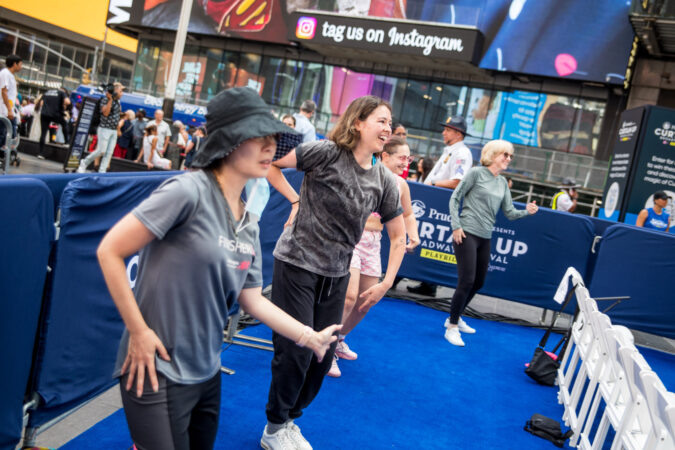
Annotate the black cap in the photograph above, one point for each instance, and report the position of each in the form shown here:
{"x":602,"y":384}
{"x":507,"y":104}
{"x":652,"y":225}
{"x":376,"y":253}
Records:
{"x":660,"y":195}
{"x":234,"y":116}
{"x":456,"y":123}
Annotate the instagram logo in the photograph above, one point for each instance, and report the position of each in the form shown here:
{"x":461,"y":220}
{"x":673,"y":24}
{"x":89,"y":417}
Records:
{"x":306,"y":28}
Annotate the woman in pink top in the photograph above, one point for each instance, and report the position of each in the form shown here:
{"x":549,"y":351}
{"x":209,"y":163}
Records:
{"x":366,"y":267}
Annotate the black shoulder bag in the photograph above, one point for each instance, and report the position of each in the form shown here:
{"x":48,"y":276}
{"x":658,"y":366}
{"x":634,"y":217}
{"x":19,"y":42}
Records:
{"x":543,"y":368}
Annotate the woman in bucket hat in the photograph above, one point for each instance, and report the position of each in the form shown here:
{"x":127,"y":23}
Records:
{"x":170,"y":349}
{"x":342,"y":186}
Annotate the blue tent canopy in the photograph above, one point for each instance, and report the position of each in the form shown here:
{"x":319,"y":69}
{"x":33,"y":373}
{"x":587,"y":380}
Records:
{"x":190,"y":115}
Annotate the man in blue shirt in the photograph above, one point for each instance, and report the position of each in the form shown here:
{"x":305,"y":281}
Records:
{"x":302,"y":123}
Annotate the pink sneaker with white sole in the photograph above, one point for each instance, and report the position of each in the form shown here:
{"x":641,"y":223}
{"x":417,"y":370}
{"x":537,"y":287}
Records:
{"x":343,"y":352}
{"x":334,"y":368}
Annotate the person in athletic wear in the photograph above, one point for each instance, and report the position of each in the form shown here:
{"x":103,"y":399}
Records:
{"x":365,"y":267}
{"x":655,"y":217}
{"x":340,"y":189}
{"x":484,"y":192}
{"x":169,"y":356}
{"x":448,"y":171}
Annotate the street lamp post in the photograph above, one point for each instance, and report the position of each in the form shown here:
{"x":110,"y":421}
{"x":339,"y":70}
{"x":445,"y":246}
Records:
{"x":178,"y":47}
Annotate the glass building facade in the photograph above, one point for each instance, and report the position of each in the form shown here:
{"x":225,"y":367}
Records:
{"x":43,"y":69}
{"x":565,"y":126}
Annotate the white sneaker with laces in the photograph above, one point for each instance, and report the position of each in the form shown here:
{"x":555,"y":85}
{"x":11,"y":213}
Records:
{"x":281,"y":440}
{"x":463,"y":326}
{"x":82,"y":168}
{"x":452,"y":336}
{"x":334,"y":368}
{"x":296,"y":436}
{"x":344,"y":352}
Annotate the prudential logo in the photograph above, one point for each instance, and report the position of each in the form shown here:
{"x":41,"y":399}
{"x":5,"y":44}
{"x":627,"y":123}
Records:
{"x":306,"y":28}
{"x":419,"y":208}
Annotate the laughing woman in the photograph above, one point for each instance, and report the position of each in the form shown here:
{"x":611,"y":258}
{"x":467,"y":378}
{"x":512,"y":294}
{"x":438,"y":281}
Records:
{"x":341,"y":188}
{"x":484,"y":192}
{"x":196,"y":222}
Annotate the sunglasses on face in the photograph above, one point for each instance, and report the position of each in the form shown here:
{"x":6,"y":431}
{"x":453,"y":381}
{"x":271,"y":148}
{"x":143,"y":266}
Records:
{"x":508,"y":155}
{"x":405,"y":159}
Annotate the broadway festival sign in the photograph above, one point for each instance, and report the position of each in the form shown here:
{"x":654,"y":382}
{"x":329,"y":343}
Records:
{"x":527,"y":258}
{"x":387,"y":36}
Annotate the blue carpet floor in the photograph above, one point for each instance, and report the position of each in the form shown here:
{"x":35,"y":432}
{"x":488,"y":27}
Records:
{"x":409,"y":389}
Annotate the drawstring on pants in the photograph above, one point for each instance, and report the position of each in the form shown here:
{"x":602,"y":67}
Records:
{"x":330,"y":287}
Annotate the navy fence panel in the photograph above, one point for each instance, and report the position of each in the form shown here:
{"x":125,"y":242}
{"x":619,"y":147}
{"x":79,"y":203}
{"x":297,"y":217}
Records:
{"x":57,"y":182}
{"x":26,"y":233}
{"x":529,"y":256}
{"x":638,"y":263}
{"x":82,"y":327}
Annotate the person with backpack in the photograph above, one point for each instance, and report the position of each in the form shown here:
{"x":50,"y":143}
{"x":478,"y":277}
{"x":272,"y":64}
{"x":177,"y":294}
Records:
{"x":107,"y":128}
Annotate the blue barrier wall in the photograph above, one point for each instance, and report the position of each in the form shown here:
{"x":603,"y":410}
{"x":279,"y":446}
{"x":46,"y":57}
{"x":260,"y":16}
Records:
{"x":83,"y":327}
{"x":638,"y":263}
{"x":272,"y":222}
{"x":26,"y":233}
{"x":529,"y":256}
{"x":57,"y":182}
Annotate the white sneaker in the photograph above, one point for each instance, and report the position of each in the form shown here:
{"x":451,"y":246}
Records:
{"x":82,"y":168}
{"x":344,"y":352}
{"x":281,"y":440}
{"x":452,"y":336}
{"x":296,"y":436}
{"x":463,"y":327}
{"x":334,"y":368}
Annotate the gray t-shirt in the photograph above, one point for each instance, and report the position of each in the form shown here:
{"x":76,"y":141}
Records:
{"x":336,"y":198}
{"x":191,"y":275}
{"x":483,"y":195}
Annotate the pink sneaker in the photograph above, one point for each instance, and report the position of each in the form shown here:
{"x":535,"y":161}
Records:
{"x":343,"y":352}
{"x":334,"y":369}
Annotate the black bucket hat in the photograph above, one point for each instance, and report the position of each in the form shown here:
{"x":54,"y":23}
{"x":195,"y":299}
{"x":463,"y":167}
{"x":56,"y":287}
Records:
{"x":456,"y":123}
{"x":234,"y":116}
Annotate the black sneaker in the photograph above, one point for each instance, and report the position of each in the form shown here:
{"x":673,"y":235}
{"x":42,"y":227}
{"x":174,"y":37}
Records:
{"x":423,"y":288}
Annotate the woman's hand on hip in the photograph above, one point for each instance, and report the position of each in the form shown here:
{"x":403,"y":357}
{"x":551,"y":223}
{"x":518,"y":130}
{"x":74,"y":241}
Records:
{"x":291,"y":217}
{"x":140,"y":359}
{"x":532,"y":207}
{"x":458,"y":235}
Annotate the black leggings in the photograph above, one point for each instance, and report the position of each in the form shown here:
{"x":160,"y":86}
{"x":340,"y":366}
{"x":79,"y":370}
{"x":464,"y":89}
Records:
{"x":176,"y":417}
{"x":473,"y":258}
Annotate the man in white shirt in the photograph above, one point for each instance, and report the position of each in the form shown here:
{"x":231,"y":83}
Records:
{"x":163,"y":131}
{"x":302,"y":123}
{"x":9,"y":93}
{"x":448,"y":171}
{"x":456,"y":159}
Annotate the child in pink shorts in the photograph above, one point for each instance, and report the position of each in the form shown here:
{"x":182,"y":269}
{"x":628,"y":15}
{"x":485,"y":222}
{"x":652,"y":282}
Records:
{"x":366,"y":267}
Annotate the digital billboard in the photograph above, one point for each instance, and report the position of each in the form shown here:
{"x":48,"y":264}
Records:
{"x":84,"y":17}
{"x":576,"y":39}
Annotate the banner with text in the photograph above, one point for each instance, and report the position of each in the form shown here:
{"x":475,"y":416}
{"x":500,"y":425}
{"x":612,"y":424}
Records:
{"x":528,"y":257}
{"x":655,"y":163}
{"x":387,"y":35}
{"x":618,"y":175}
